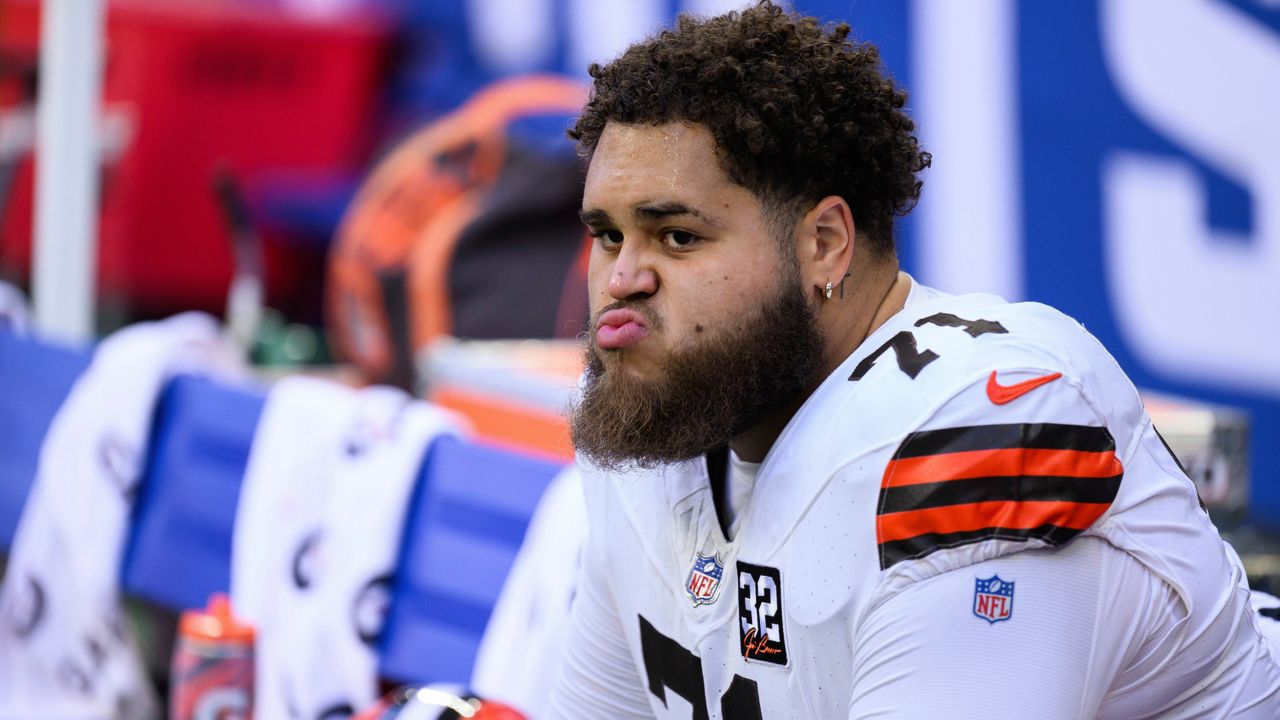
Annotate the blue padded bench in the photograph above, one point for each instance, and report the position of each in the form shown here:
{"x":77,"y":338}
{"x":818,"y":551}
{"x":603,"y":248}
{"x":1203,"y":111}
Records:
{"x":467,"y":518}
{"x":179,"y":551}
{"x":34,"y":380}
{"x":466,"y":521}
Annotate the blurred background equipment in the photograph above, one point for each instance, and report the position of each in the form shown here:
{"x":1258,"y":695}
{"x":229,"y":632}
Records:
{"x":515,"y":392}
{"x":541,"y":585}
{"x":66,"y":242}
{"x":470,"y":229}
{"x":463,"y":526}
{"x":1212,"y":444}
{"x":317,"y":534}
{"x":437,"y":702}
{"x":190,"y":86}
{"x":212,"y":673}
{"x":15,"y":316}
{"x":245,"y":296}
{"x":64,"y":646}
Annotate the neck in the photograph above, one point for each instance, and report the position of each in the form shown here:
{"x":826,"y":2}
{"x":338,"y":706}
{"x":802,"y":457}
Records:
{"x":844,"y":322}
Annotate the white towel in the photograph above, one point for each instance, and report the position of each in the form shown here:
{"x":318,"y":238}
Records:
{"x":317,"y":536}
{"x":64,"y":650}
{"x":531,"y":616}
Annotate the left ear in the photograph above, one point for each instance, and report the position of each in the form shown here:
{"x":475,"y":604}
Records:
{"x":826,"y":236}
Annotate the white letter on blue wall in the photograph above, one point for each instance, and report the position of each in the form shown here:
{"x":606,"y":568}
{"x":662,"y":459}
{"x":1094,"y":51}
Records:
{"x":1194,"y":303}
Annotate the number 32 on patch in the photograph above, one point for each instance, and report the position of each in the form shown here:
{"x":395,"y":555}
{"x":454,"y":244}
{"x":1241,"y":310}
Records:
{"x":760,"y":614}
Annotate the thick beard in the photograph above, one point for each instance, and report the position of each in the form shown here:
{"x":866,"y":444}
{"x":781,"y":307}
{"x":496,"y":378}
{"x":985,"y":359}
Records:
{"x":713,"y":390}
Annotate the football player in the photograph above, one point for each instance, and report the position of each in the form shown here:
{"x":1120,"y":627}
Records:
{"x":819,"y":489}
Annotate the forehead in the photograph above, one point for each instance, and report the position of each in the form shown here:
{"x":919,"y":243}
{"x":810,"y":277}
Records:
{"x":634,"y":164}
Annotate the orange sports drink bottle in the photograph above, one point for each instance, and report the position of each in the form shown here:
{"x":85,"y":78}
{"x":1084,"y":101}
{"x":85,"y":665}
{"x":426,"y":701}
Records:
{"x":212,"y":672}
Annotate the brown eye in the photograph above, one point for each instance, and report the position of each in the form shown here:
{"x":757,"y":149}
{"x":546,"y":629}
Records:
{"x":679,"y":239}
{"x":607,"y":238}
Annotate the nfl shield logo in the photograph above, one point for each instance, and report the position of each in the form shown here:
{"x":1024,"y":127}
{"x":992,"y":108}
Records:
{"x":704,"y":579}
{"x":993,"y":599}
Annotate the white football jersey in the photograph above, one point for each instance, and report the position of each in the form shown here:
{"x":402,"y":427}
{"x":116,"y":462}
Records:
{"x":972,"y":516}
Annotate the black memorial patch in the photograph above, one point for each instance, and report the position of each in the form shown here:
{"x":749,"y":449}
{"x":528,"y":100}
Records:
{"x":760,"y":614}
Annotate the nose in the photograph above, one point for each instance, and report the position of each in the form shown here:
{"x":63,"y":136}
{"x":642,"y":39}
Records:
{"x":633,"y":273}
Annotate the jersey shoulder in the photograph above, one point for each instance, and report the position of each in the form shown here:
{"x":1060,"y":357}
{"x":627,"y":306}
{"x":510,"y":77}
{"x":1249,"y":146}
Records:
{"x":933,"y":345}
{"x":930,"y":353}
{"x":1000,"y":427}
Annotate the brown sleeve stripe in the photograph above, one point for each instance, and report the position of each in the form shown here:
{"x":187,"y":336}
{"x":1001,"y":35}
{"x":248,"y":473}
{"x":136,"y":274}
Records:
{"x":1048,"y":436}
{"x":921,"y":545}
{"x":1062,"y":488}
{"x":1019,"y":482}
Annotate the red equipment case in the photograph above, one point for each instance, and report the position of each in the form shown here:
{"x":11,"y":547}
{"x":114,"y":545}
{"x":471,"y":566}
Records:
{"x":195,"y":84}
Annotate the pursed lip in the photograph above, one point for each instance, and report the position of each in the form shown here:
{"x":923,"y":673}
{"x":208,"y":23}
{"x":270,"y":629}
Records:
{"x":617,"y":329}
{"x":620,"y":317}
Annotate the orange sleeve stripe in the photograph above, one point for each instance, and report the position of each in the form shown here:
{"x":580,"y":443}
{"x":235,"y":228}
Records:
{"x":1001,"y":463}
{"x":976,"y":516}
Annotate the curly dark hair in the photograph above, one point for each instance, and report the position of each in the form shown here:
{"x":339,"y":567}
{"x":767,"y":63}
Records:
{"x":797,"y":110}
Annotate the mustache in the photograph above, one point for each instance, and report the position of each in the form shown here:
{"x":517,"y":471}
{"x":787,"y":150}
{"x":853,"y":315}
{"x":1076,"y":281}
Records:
{"x":637,"y":306}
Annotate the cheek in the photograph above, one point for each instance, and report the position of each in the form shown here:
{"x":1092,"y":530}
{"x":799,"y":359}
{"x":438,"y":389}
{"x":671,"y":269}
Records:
{"x":598,"y":284}
{"x":725,"y":296}
{"x":710,"y":303}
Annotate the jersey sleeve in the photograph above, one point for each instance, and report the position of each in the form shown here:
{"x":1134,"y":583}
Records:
{"x":990,"y":601}
{"x":598,"y":677}
{"x":1016,"y":460}
{"x":1070,"y":618}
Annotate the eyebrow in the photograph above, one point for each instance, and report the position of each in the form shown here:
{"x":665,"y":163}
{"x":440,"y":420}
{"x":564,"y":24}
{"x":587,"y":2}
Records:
{"x":648,"y":212}
{"x":595,"y":217}
{"x":659,"y":211}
